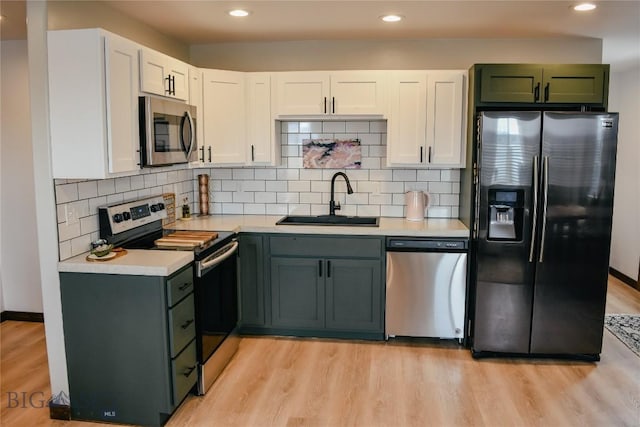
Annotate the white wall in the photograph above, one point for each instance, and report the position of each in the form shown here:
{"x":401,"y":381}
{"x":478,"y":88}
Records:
{"x":20,"y":274}
{"x":624,"y":97}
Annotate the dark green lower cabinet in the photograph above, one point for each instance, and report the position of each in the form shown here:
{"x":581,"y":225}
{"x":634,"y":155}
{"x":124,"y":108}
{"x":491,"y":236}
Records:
{"x":297,"y":293}
{"x":130,"y":345}
{"x":353,"y":290}
{"x":318,"y":286}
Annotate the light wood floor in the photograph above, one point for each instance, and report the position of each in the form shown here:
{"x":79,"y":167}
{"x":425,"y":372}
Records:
{"x":307,"y":382}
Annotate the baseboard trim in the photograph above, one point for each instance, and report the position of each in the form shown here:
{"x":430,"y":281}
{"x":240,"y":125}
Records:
{"x":22,"y":316}
{"x":624,"y":278}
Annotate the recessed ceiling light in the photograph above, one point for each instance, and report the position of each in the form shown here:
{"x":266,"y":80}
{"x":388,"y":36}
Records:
{"x":583,"y":7}
{"x":391,"y":18}
{"x":238,"y":13}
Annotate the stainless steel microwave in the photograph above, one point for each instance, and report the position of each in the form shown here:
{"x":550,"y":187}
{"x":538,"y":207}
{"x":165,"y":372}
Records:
{"x":167,"y":131}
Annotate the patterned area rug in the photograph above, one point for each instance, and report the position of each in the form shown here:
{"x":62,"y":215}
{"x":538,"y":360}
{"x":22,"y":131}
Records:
{"x":625,"y":327}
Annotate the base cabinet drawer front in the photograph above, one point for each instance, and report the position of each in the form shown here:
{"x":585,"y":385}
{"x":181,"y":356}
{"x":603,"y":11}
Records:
{"x":182,"y":325}
{"x":185,"y":372}
{"x":354,"y":295}
{"x":297,"y":290}
{"x":180,"y":285}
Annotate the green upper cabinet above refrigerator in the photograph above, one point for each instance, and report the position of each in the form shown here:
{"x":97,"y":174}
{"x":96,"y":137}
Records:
{"x":535,"y":84}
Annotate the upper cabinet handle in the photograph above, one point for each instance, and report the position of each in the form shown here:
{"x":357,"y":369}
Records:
{"x":325,"y":105}
{"x":421,"y":154}
{"x":429,"y":154}
{"x":546,"y":92}
{"x":536,"y":93}
{"x":253,"y":153}
{"x":168,"y":89}
{"x":209,"y":154}
{"x":333,"y":105}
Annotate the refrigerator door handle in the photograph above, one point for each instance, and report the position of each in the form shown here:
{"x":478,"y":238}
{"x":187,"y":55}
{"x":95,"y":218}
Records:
{"x":534,"y":220}
{"x":545,"y":197}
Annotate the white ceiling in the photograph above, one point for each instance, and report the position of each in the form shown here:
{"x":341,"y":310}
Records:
{"x":196,"y":22}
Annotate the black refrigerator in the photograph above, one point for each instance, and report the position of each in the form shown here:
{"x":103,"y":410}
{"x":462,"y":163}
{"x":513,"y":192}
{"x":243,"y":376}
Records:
{"x":544,"y":202}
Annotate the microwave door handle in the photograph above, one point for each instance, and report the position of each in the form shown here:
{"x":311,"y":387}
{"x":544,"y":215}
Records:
{"x":187,"y":118}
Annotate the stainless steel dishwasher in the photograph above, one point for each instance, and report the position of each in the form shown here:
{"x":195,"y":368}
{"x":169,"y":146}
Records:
{"x":426,"y":287}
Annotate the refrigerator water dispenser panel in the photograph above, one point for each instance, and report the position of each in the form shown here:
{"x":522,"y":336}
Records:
{"x":506,"y":209}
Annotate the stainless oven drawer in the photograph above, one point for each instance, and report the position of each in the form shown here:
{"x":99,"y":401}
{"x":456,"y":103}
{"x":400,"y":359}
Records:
{"x":180,"y":286}
{"x":182,"y":325}
{"x":184,"y":372}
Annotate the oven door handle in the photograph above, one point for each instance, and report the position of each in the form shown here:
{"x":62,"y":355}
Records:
{"x":213,"y":260}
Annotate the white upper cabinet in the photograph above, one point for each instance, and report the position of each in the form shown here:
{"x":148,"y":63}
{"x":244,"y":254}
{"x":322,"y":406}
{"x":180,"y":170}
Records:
{"x":262,"y":146}
{"x":93,"y":104}
{"x":327,"y":93}
{"x":426,"y":119}
{"x":224,"y":117}
{"x":163,"y":75}
{"x":195,"y":99}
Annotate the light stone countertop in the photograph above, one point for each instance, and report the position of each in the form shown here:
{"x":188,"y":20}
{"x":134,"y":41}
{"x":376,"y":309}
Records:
{"x":136,"y":262}
{"x":140,"y":262}
{"x":432,"y":227}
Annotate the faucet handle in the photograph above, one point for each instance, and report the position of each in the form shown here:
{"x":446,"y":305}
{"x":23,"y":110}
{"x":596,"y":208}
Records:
{"x":336,"y":206}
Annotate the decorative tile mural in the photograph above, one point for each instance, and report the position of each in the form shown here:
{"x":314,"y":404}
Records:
{"x":331,"y":153}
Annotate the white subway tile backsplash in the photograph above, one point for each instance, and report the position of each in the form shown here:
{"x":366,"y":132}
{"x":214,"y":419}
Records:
{"x":150,"y":180}
{"x":310,"y":127}
{"x":288,"y":174}
{"x":333,"y":127}
{"x":233,"y":208}
{"x":255,"y":209}
{"x":243,"y":174}
{"x":379,"y":126}
{"x":122,"y":184}
{"x":87,"y":189}
{"x":244,"y":197}
{"x":276,"y":186}
{"x":440,"y":187}
{"x":276,"y":209}
{"x":404,"y":175}
{"x":288,"y":188}
{"x":299,"y":186}
{"x":66,"y":193}
{"x":265,"y":174}
{"x":357,"y":127}
{"x":265,"y":197}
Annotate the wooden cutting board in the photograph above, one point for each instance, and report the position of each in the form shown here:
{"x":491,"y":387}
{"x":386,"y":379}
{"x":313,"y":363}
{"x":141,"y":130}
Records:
{"x":186,"y":239}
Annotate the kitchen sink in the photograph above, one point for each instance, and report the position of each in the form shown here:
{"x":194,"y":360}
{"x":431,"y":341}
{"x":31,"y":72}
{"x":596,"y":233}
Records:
{"x":351,"y":221}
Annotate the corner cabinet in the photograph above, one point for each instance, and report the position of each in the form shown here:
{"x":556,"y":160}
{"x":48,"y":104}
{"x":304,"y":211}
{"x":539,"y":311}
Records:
{"x":585,"y":84}
{"x":163,"y":75}
{"x":426,"y":119}
{"x":93,"y":104}
{"x":324,"y":286}
{"x":130,"y":345}
{"x":330,"y":93}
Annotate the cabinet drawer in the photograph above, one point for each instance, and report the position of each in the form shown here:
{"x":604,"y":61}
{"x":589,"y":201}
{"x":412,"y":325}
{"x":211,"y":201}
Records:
{"x":180,"y":286}
{"x":182,"y":326}
{"x":326,"y":246}
{"x":185,"y":374}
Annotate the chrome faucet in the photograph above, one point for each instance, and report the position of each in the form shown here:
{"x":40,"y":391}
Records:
{"x":333,"y":205}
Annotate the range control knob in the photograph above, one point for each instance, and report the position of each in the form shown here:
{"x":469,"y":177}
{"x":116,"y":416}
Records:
{"x":154,"y":208}
{"x":117,"y":218}
{"x":126,"y":215}
{"x":160,"y":206}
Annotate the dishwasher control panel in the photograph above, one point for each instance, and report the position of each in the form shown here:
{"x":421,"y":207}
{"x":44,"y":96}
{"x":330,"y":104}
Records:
{"x":426,"y":244}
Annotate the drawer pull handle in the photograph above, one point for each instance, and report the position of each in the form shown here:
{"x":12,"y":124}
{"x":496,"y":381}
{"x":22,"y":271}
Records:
{"x":189,"y":370}
{"x":186,"y":324}
{"x":185,"y":286}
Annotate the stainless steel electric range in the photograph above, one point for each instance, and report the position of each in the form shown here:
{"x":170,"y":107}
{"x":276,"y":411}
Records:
{"x":138,"y":225}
